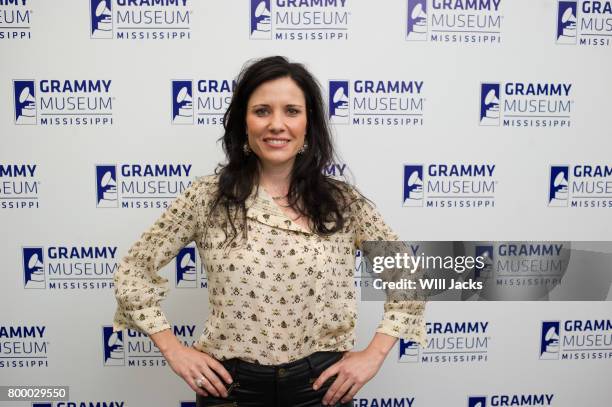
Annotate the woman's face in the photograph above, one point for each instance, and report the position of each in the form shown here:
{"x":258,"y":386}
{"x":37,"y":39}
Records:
{"x":276,"y":121}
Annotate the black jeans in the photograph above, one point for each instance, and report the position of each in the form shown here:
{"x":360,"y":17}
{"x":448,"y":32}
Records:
{"x":285,"y":385}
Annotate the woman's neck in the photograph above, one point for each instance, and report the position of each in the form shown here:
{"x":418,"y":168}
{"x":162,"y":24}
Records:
{"x":276,"y":179}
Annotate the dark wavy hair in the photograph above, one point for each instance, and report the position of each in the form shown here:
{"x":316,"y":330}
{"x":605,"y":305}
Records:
{"x":311,"y":193}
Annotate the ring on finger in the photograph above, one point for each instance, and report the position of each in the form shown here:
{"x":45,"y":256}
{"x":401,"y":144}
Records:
{"x":200,"y":381}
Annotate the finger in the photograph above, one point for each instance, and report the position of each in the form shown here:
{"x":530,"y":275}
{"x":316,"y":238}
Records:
{"x":208,"y":386}
{"x":220,"y":370}
{"x":219,"y":387}
{"x":344,"y":388}
{"x":333,"y":393}
{"x":352,"y":392}
{"x":195,"y":388}
{"x":327,"y":373}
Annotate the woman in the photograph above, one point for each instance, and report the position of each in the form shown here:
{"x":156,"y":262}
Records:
{"x":278,"y":240}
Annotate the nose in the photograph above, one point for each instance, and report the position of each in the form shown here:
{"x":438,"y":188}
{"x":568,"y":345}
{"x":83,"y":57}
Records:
{"x":277,"y":123}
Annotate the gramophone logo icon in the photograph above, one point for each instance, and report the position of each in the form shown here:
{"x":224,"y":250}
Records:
{"x":114,"y":352}
{"x":106,"y":186}
{"x":477,"y":401}
{"x":182,"y":102}
{"x":558,"y":189}
{"x":549,"y":340}
{"x":489,"y":104}
{"x":413,"y":185}
{"x":408,"y":351}
{"x":417,"y":20}
{"x":25,"y":101}
{"x":186,"y":269}
{"x":101,"y":19}
{"x":33,"y":267}
{"x":339,"y":102}
{"x":566,"y":22}
{"x":260,"y":22}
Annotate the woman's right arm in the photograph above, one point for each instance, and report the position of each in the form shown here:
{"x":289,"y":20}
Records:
{"x":139,"y":289}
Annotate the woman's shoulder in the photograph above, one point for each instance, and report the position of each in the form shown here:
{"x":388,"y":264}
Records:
{"x":207,"y":181}
{"x":348,"y":196}
{"x":349,"y":190}
{"x":204,"y":187}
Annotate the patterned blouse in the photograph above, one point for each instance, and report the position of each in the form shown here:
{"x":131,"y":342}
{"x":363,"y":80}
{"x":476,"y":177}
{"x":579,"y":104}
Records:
{"x":278,"y":297}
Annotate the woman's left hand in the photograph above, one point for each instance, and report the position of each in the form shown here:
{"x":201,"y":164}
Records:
{"x":354,"y":370}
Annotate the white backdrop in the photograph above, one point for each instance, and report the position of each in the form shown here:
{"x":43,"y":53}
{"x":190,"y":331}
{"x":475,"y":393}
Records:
{"x":51,"y":327}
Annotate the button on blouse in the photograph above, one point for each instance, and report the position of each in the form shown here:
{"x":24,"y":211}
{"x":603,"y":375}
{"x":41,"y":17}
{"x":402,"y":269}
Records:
{"x":279,"y":296}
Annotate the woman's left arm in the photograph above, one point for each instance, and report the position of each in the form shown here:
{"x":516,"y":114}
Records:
{"x":401,"y":319}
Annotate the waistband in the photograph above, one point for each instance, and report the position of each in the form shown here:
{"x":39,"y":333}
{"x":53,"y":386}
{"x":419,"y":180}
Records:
{"x":314,"y":363}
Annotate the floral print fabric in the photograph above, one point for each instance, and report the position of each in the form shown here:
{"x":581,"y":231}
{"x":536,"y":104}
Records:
{"x":279,"y":296}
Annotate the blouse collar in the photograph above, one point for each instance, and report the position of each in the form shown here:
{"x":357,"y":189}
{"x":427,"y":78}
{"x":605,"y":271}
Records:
{"x":261,"y":207}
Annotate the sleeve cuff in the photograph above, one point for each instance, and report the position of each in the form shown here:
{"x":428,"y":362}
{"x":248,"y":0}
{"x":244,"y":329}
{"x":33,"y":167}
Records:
{"x":147,"y":320}
{"x":407,"y":327}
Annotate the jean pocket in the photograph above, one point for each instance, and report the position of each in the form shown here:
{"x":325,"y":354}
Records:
{"x":212,"y":401}
{"x":235,"y":384}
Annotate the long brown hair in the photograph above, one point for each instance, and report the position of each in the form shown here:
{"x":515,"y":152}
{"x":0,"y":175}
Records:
{"x":311,"y":193}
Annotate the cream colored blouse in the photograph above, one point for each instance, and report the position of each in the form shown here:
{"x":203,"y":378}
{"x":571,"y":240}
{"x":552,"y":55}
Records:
{"x":278,"y":297}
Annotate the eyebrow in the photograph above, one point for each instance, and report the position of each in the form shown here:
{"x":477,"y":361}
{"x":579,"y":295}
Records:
{"x":267,"y":105}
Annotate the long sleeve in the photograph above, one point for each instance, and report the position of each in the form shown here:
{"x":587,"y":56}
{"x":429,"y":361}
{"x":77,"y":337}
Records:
{"x":138,"y":287}
{"x":402,"y":318}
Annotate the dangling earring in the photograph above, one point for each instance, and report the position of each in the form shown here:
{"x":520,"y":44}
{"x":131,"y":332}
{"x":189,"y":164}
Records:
{"x":246,"y":148}
{"x":303,"y":148}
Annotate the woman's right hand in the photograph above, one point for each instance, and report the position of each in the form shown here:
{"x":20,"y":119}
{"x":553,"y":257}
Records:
{"x":191,"y":365}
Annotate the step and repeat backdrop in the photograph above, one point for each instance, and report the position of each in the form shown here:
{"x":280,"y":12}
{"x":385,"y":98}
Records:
{"x":461,"y":119}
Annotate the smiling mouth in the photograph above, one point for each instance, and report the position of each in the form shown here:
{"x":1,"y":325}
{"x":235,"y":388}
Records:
{"x":276,"y":141}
